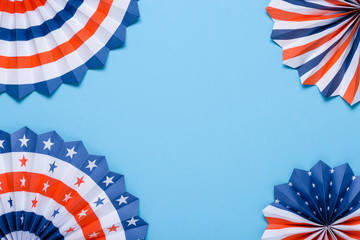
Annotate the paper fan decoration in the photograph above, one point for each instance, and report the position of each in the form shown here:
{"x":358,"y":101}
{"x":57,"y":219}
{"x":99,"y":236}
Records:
{"x":51,"y":189}
{"x":321,"y":204}
{"x":321,"y":40}
{"x":44,"y":43}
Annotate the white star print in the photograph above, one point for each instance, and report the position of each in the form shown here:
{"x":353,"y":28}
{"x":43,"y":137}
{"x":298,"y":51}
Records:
{"x":83,"y":213}
{"x":46,"y":185}
{"x":23,"y":180}
{"x":2,"y":143}
{"x":132,"y":221}
{"x":91,"y":165}
{"x":22,"y":219}
{"x":332,"y":170}
{"x":108,"y":180}
{"x":48,"y":144}
{"x":309,"y":173}
{"x":67,"y":197}
{"x":70,"y":152}
{"x":277,"y":201}
{"x":93,"y":235}
{"x":23,"y":141}
{"x":353,"y":178}
{"x":122,"y":199}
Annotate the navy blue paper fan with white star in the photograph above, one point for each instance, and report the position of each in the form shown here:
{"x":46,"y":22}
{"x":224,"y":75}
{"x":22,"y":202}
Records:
{"x":52,"y":189}
{"x":322,"y":203}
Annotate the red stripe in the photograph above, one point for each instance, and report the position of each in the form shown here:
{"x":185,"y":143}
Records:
{"x":298,"y":236}
{"x":64,"y":49}
{"x":278,"y":223}
{"x":279,"y":14}
{"x":353,"y":86}
{"x":20,"y":6}
{"x":352,"y":221}
{"x":56,"y":191}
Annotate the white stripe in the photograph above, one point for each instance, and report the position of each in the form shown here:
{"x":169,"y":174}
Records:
{"x":274,"y":212}
{"x":67,"y":173}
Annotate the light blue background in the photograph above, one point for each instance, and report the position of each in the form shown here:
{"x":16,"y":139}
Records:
{"x":199,"y":114}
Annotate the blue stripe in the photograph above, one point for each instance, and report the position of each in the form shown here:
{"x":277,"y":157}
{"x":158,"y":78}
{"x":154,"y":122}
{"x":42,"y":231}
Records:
{"x":335,"y":82}
{"x":33,"y":223}
{"x":314,"y":5}
{"x":285,"y":34}
{"x":45,"y":28}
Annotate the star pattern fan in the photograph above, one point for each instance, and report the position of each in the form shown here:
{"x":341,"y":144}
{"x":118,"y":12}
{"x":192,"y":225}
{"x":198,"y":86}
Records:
{"x":323,"y":204}
{"x":51,"y":189}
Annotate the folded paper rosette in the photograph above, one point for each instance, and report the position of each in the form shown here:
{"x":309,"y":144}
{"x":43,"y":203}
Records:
{"x":322,"y":204}
{"x":51,"y":189}
{"x":44,"y":43}
{"x":321,"y":40}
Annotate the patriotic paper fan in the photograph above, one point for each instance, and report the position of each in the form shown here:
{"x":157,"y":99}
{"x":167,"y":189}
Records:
{"x":320,"y":38}
{"x":51,"y":189}
{"x":44,"y":43}
{"x":322,"y":204}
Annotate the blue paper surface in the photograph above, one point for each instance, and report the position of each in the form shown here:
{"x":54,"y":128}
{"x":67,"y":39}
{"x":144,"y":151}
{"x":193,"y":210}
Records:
{"x":199,"y":114}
